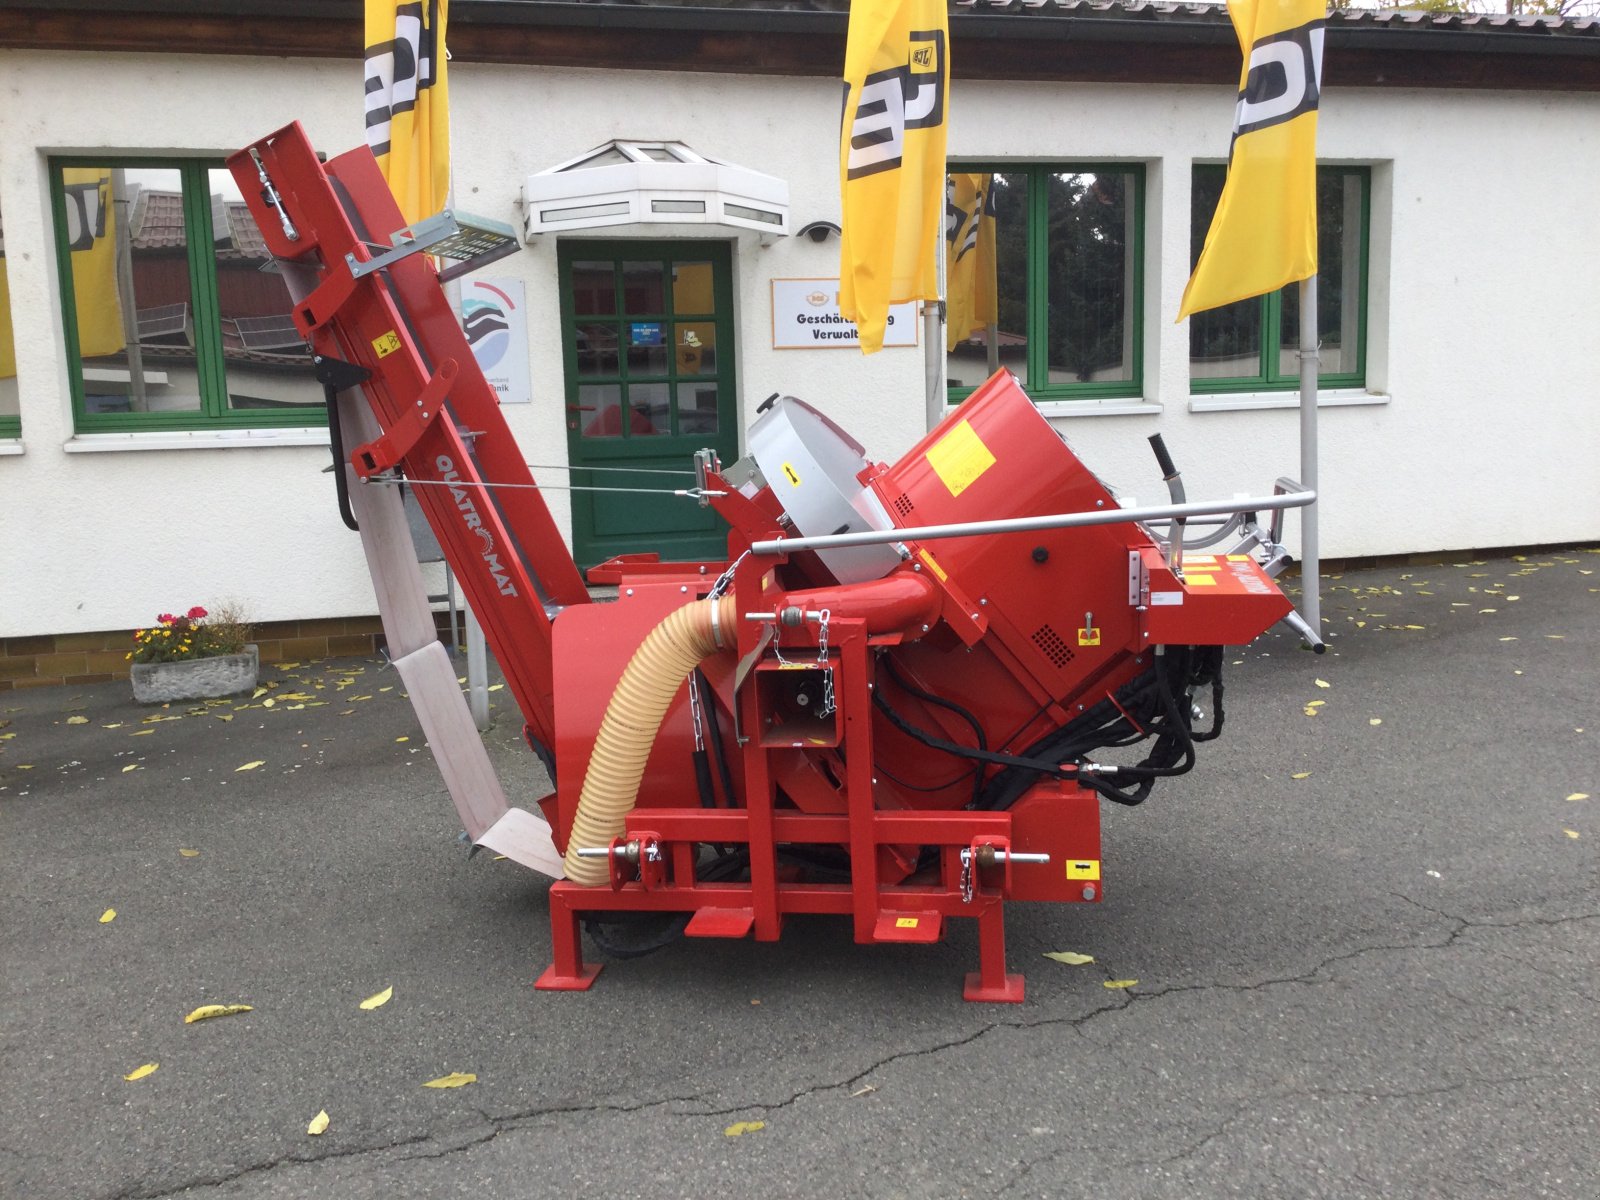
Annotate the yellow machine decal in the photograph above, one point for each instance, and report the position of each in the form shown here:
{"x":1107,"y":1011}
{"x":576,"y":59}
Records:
{"x":387,"y":344}
{"x":933,"y":565}
{"x":791,"y":475}
{"x":959,"y":458}
{"x":1083,"y":868}
{"x":905,"y":922}
{"x":1201,"y":581}
{"x":1088,"y":637}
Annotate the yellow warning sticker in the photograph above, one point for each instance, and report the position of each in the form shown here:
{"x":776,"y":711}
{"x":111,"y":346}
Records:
{"x":1088,"y":637}
{"x":1238,"y":558}
{"x":791,"y":475}
{"x":387,"y":344}
{"x":959,"y":458}
{"x":1201,"y":581}
{"x":1203,"y":564}
{"x":1083,"y":868}
{"x":905,"y":922}
{"x":933,"y":565}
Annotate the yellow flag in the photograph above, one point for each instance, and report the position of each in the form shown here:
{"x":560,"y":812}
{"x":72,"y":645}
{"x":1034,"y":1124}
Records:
{"x":8,"y":348}
{"x":1264,"y":233}
{"x":969,"y":263}
{"x":92,"y":238}
{"x":408,"y":117}
{"x":891,"y":159}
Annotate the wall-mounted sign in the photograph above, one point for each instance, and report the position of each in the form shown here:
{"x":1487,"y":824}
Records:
{"x":805,"y":316}
{"x":493,"y":316}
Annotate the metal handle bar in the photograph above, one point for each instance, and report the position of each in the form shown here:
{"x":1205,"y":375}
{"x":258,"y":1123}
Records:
{"x":1110,"y":516}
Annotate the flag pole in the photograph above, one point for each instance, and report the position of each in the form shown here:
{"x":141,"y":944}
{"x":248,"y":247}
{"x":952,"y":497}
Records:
{"x":933,"y":319}
{"x":1310,"y":551}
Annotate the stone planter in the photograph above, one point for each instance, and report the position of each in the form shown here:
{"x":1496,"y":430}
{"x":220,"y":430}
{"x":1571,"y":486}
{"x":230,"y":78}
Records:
{"x":196,"y":679}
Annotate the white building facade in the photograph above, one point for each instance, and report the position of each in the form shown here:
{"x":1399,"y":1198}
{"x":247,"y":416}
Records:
{"x":1462,"y":408}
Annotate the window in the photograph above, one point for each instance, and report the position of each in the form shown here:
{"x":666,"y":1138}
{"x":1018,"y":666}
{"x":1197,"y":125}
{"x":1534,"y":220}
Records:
{"x":10,"y":418}
{"x":1254,"y":345}
{"x":175,"y":316}
{"x":1065,"y":272}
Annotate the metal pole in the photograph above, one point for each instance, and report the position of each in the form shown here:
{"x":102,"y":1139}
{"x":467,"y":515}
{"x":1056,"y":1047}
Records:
{"x":1310,"y":550}
{"x":477,"y":672}
{"x":1109,"y":516}
{"x":934,"y":364}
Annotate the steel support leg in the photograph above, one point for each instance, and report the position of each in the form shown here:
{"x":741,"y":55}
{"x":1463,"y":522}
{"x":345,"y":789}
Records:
{"x":990,"y":983}
{"x":568,"y":972}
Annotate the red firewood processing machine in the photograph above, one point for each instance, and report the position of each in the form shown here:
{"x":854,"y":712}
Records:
{"x":901,"y":698}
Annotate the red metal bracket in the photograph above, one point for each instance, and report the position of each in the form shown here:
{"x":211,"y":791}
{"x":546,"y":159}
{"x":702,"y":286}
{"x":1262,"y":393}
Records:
{"x":409,"y":426}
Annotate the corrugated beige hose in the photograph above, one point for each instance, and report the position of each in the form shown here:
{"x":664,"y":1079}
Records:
{"x":632,"y":720}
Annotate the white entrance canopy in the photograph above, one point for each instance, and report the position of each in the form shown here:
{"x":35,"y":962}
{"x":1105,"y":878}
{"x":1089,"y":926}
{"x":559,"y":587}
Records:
{"x":657,"y":187}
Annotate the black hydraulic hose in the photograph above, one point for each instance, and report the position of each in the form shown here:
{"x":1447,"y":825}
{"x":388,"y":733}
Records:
{"x":719,"y":752}
{"x":939,"y":743}
{"x":950,"y":705}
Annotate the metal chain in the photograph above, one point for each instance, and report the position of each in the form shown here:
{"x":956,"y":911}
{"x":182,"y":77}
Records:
{"x":822,"y":662}
{"x":966,"y":875}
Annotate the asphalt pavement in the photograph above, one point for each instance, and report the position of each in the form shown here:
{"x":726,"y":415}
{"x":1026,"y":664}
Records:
{"x":1365,"y":934}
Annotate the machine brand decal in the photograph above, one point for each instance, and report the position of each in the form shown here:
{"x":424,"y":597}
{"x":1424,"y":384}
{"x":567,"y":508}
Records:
{"x":791,"y":475}
{"x":959,"y":458}
{"x":933,"y":565}
{"x":387,"y":344}
{"x":1249,"y":578}
{"x":1088,"y":637}
{"x":1083,"y":868}
{"x":905,"y":922}
{"x":1202,"y":581}
{"x":469,"y":513}
{"x":1238,"y":558}
{"x":1158,"y":599}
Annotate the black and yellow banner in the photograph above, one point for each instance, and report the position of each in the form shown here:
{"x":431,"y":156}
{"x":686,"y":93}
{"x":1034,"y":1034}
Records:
{"x":891,"y":159}
{"x":1264,"y":233}
{"x":408,"y":97}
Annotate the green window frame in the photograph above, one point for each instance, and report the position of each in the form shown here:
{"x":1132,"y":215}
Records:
{"x":199,"y":346}
{"x":1253,"y":345}
{"x":1043,"y":343}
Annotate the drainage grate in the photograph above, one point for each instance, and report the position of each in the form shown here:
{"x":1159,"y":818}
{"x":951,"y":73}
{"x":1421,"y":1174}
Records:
{"x":1051,"y":643}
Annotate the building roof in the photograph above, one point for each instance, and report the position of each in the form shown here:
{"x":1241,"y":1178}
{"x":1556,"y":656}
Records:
{"x":1053,"y":40}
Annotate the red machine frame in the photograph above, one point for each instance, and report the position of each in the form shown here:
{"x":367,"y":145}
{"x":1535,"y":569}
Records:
{"x":442,"y":427}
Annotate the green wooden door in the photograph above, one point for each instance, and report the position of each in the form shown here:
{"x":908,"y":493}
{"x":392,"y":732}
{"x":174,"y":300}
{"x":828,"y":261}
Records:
{"x":647,"y":344}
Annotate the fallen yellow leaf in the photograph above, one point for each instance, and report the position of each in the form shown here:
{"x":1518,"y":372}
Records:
{"x":141,"y":732}
{"x":1301,"y":775}
{"x":108,"y":916}
{"x":1322,"y":683}
{"x":453,"y":1080}
{"x":206,"y":1011}
{"x":223,"y":716}
{"x":1578,"y":796}
{"x":188,"y":853}
{"x":1119,"y":983}
{"x":130,"y":767}
{"x":1572,"y":833}
{"x":77,"y":720}
{"x":141,"y":1072}
{"x":402,"y":739}
{"x":379,"y":1000}
{"x":740,"y":1128}
{"x":319,"y":1124}
{"x":1374,"y":720}
{"x":1069,"y":957}
{"x":250,"y":766}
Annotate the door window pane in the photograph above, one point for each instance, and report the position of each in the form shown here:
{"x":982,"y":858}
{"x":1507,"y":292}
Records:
{"x":594,"y":289}
{"x":691,"y":289}
{"x":9,"y":408}
{"x":1089,"y":277}
{"x":650,"y":415}
{"x":694,"y":348}
{"x":1339,"y":283}
{"x":697,"y":408}
{"x":644,"y":288}
{"x":647,"y":348}
{"x":597,"y":351}
{"x":598,"y":412}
